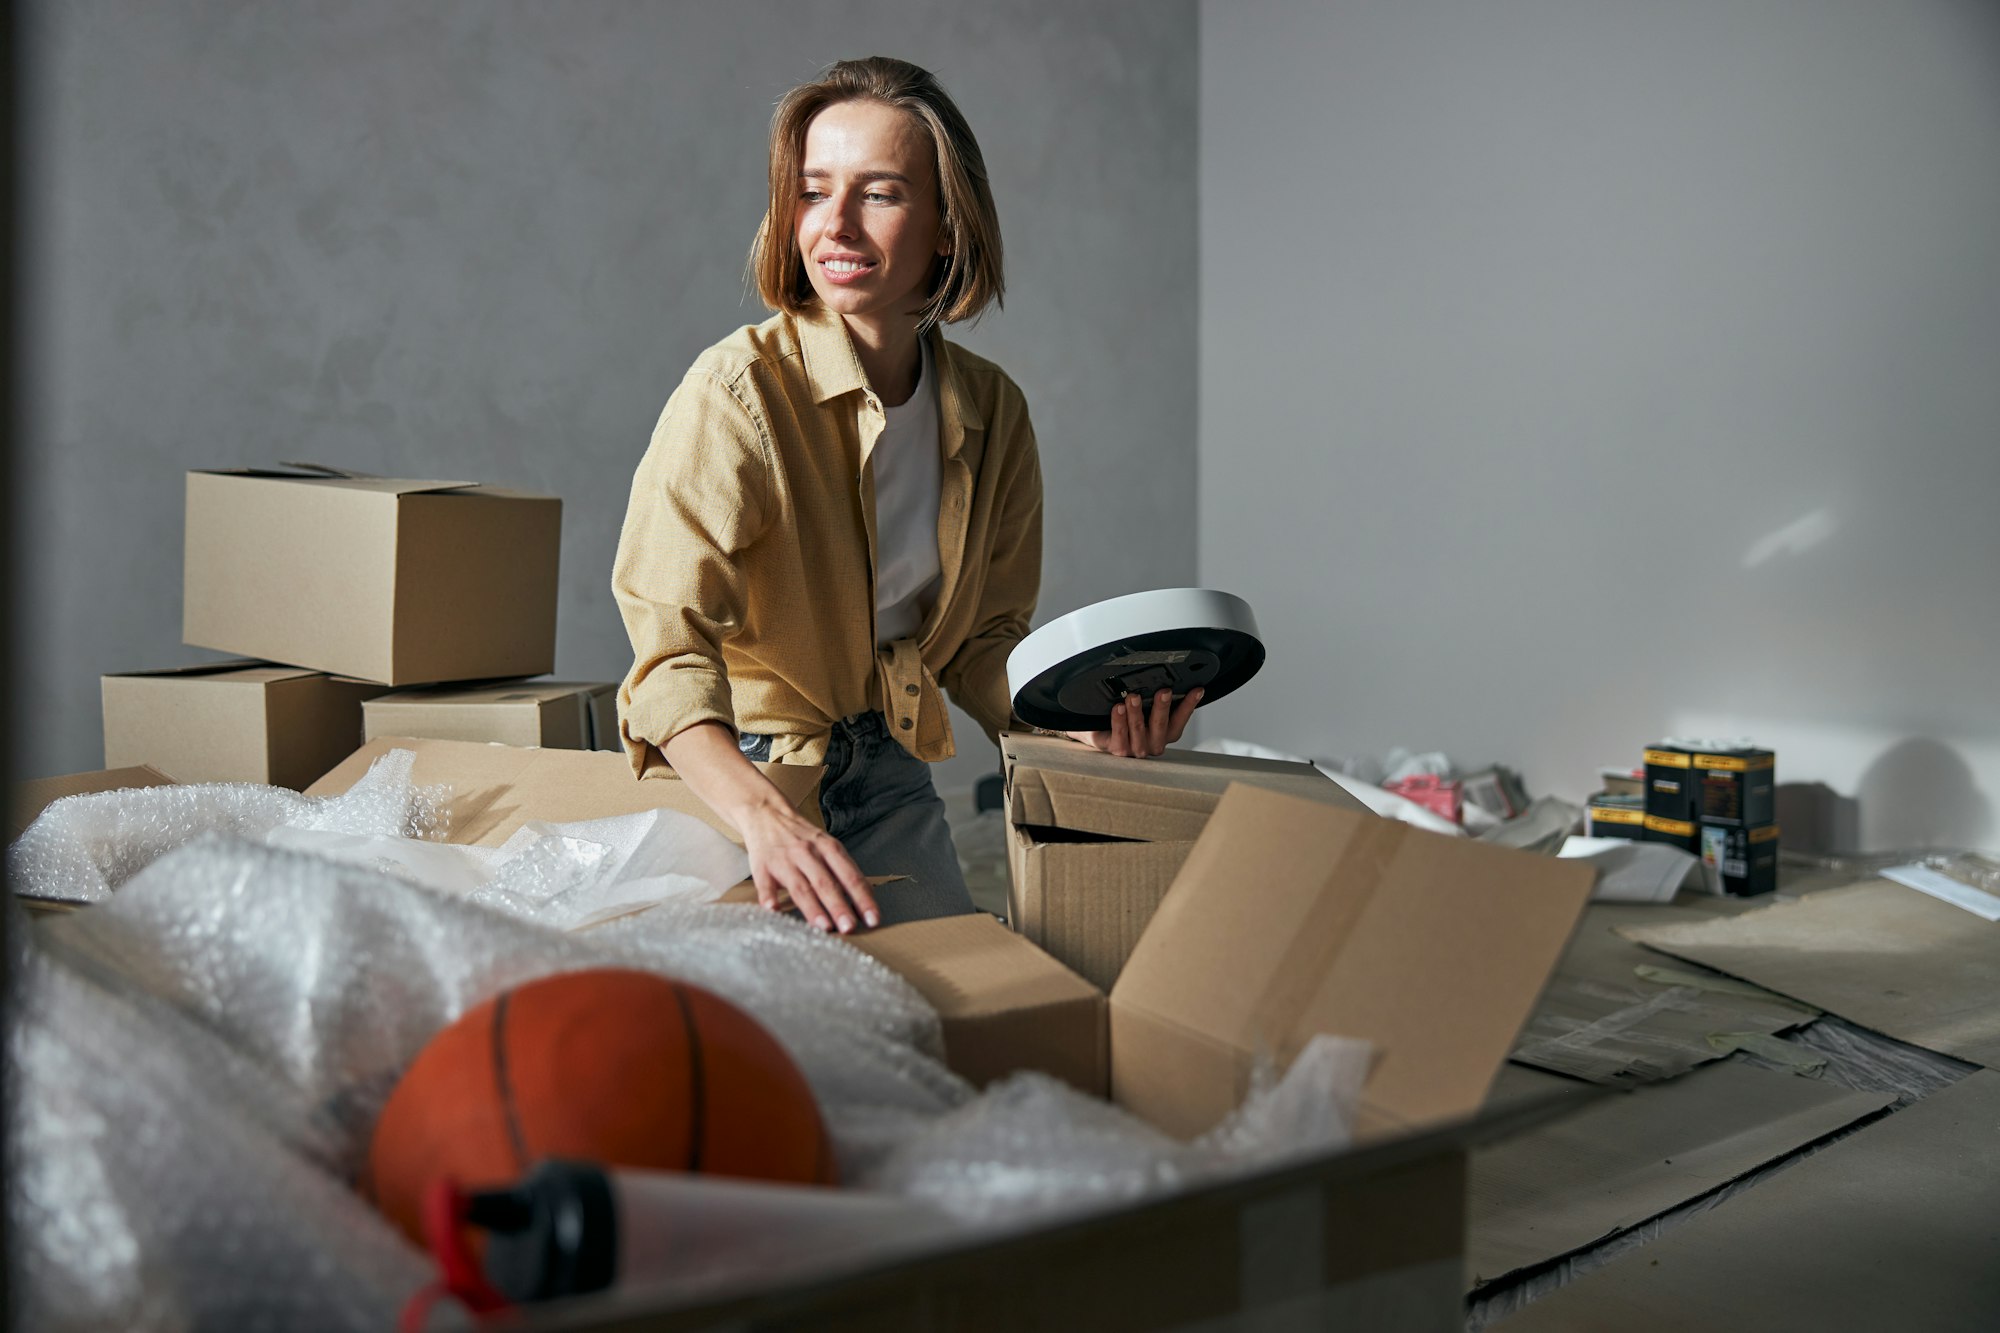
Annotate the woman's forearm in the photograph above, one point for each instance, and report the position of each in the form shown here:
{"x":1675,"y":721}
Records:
{"x":705,"y":757}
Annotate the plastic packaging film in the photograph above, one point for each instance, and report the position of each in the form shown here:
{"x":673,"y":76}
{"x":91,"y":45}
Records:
{"x":200,"y":1060}
{"x":83,"y":847}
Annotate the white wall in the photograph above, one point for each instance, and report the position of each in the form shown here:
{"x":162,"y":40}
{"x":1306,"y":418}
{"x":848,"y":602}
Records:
{"x":484,"y":238}
{"x":1576,"y":372}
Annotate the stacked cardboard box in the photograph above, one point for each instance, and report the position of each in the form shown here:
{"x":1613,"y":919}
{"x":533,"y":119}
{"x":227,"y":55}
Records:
{"x":339,"y":587}
{"x":559,"y":715}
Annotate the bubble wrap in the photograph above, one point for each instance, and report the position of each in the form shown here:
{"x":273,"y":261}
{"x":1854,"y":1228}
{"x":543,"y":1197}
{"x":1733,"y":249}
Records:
{"x":83,"y":847}
{"x":204,"y":1056}
{"x":163,"y":1181}
{"x":1031,"y":1145}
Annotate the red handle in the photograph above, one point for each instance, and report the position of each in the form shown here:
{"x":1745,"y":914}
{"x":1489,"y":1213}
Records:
{"x":444,"y":1216}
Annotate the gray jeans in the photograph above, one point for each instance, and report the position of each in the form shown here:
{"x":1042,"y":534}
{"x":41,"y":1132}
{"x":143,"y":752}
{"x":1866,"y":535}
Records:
{"x":877,"y":798}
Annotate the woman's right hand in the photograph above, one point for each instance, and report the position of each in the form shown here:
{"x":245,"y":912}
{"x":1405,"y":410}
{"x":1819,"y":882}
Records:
{"x":791,"y":857}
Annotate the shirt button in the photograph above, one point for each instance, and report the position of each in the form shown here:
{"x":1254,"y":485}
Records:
{"x":909,"y":689}
{"x":907,"y":724}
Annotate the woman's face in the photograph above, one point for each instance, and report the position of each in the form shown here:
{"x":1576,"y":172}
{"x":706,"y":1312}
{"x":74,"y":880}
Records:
{"x":868,"y":225}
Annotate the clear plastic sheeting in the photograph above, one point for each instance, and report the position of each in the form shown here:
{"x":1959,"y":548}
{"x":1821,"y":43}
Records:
{"x":200,"y":1060}
{"x":84,"y":847}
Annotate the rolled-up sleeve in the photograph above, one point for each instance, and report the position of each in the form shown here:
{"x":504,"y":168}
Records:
{"x":699,"y":498}
{"x":976,"y":676}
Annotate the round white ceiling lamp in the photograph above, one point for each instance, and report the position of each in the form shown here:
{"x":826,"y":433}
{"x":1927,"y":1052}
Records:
{"x":1069,"y":674}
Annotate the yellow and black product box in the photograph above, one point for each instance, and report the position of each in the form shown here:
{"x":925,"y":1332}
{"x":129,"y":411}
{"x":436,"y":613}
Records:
{"x":1609,"y":815}
{"x":1672,"y":790}
{"x":1680,"y":833}
{"x":1737,"y":788}
{"x":1741,"y":862}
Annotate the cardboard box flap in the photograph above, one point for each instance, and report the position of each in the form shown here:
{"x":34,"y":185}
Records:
{"x":493,"y":692}
{"x":1057,"y":783}
{"x":343,"y":480}
{"x":972,"y":966}
{"x":498,"y":788}
{"x":246,"y":669}
{"x":1293,"y":917}
{"x":27,"y":800}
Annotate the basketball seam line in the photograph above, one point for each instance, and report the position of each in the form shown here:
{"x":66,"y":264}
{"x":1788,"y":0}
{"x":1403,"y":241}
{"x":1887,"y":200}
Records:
{"x":698,"y":1098}
{"x":514,"y":1135}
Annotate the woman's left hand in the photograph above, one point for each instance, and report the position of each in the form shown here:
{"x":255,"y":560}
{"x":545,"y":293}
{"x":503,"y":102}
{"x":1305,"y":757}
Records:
{"x":1139,"y":734}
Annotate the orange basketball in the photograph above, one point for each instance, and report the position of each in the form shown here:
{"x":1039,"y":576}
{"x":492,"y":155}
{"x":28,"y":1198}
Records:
{"x":617,"y":1067}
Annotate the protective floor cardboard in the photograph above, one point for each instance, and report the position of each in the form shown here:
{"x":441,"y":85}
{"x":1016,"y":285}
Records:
{"x":1095,"y":839}
{"x":401,"y":582}
{"x":565,"y":715}
{"x":1895,"y":1226}
{"x":233,"y":722}
{"x":1876,"y":953}
{"x":497,"y":788}
{"x":1602,"y":1019}
{"x":1563,"y":1186}
{"x":1294,"y":917}
{"x":28,"y":799}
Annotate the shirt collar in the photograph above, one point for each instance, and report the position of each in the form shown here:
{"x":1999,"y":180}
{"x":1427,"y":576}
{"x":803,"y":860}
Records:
{"x":833,"y":369}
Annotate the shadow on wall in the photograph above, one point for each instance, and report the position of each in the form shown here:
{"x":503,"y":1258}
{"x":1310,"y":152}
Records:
{"x":1816,"y":819}
{"x":1921,"y":793}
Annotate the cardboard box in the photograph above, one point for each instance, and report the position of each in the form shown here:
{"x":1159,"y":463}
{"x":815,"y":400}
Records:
{"x":400,"y":582}
{"x":1740,"y":862}
{"x":1671,"y":789}
{"x":1094,"y":840}
{"x":27,"y":800}
{"x":557,"y":715}
{"x":1291,"y":916}
{"x":497,"y":788}
{"x":1736,"y":788}
{"x":233,"y":722}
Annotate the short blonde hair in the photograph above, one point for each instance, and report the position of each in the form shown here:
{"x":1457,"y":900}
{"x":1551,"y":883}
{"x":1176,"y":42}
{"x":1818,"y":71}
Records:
{"x":969,"y":276}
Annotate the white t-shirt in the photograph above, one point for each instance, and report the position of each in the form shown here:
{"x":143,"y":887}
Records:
{"x":909,"y":476}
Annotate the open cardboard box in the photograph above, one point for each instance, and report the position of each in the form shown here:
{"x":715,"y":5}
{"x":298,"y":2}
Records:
{"x":1093,"y":841}
{"x":1291,"y":916}
{"x":396,"y":581}
{"x":233,"y":721}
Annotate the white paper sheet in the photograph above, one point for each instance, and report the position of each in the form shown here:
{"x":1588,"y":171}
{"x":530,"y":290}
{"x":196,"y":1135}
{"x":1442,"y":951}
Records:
{"x":1946,"y":889}
{"x":1634,"y":872}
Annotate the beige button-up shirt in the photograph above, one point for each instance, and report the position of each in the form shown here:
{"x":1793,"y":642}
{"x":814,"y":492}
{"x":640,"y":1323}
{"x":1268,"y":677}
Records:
{"x":746,"y":567}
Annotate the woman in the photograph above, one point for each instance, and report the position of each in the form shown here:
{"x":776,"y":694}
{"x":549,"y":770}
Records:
{"x":840,"y":513}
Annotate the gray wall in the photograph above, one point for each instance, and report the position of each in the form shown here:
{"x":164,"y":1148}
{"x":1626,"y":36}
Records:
{"x":1575,"y":372}
{"x":466,"y":238}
